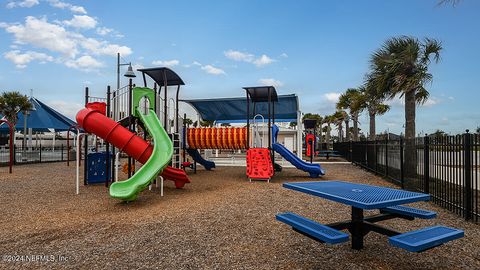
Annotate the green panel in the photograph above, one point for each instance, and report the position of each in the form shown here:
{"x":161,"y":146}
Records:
{"x":162,"y":154}
{"x":137,"y":94}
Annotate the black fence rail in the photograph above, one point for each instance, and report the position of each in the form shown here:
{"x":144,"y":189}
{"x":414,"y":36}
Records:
{"x":446,"y":167}
{"x":28,"y":155}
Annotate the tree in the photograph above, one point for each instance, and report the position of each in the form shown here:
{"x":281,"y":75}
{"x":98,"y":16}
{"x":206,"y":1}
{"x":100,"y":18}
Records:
{"x":187,"y":121}
{"x":293,"y":124}
{"x":13,"y":102}
{"x":478,"y":130}
{"x":328,"y":119}
{"x":338,"y":119}
{"x":438,"y":133}
{"x":206,"y":123}
{"x":350,"y":101}
{"x":400,"y":68}
{"x":372,"y":102}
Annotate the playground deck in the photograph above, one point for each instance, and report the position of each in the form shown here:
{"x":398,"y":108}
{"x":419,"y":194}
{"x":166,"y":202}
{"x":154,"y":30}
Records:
{"x":220,"y":220}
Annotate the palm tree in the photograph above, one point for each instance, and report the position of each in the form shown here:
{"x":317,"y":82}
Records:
{"x":328,"y":119}
{"x":338,"y":119}
{"x":349,"y":101}
{"x":13,"y":102}
{"x":400,"y":68}
{"x":372,"y":102}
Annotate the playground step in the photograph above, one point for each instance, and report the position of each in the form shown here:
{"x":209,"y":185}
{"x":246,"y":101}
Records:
{"x":423,"y":239}
{"x":313,"y":229}
{"x":409,"y":211}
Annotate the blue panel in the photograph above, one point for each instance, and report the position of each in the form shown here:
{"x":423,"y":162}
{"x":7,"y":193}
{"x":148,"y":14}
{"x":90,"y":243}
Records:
{"x":426,"y":238}
{"x":410,"y":211}
{"x":96,"y":168}
{"x":358,"y":195}
{"x":312,"y":228}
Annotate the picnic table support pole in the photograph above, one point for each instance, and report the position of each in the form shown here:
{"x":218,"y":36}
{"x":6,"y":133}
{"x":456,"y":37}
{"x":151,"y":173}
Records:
{"x":356,"y":229}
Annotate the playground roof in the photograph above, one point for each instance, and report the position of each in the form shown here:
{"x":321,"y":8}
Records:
{"x":234,"y":110}
{"x":41,"y":119}
{"x":162,"y":73}
{"x":260,"y":93}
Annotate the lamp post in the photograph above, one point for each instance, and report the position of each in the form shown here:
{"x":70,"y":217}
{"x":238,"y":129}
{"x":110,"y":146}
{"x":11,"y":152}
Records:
{"x":128,"y":74}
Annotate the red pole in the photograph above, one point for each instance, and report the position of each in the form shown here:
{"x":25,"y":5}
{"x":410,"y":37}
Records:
{"x":10,"y":126}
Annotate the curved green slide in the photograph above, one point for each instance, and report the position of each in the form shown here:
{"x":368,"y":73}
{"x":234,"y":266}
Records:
{"x":162,"y":154}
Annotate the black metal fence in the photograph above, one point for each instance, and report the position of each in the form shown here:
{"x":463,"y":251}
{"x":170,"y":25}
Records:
{"x":446,"y":167}
{"x":30,"y":155}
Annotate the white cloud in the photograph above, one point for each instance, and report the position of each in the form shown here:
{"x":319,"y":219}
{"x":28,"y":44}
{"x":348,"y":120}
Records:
{"x":261,"y":61}
{"x":63,"y":5}
{"x":432,"y":101}
{"x":25,"y":4}
{"x":102,"y":31}
{"x":239,"y":56}
{"x":40,"y":33}
{"x":70,"y":110}
{"x":167,"y":63}
{"x":195,"y":63}
{"x":284,"y":55}
{"x":212,"y":70}
{"x":22,"y":59}
{"x":81,"y":21}
{"x":332,"y":97}
{"x":84,"y":63}
{"x":270,"y":82}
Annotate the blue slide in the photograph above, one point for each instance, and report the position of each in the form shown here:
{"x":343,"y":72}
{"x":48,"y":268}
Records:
{"x":313,"y":169}
{"x":199,"y":159}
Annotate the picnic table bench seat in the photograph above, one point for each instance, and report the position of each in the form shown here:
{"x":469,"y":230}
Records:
{"x":426,"y":238}
{"x":312,"y":228}
{"x":409,"y":211}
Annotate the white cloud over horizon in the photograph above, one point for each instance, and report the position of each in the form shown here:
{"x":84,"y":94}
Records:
{"x":81,"y":21}
{"x":239,"y":56}
{"x":271,"y":82}
{"x":22,"y":59}
{"x":167,"y":63}
{"x":62,"y":44}
{"x":213,"y":70}
{"x":24,"y":4}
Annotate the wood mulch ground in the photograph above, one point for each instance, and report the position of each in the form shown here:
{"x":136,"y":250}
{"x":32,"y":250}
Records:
{"x":219,"y":221}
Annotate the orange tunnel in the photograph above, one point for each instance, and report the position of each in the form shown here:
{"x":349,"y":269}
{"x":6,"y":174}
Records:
{"x":217,"y":138}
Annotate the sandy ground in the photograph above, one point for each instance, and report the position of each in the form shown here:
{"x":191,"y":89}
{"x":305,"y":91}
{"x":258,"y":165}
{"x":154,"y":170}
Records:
{"x":219,"y":221}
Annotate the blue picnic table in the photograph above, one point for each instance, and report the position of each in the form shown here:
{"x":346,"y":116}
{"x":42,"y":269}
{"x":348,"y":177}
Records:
{"x":367,"y":197}
{"x":328,"y":153}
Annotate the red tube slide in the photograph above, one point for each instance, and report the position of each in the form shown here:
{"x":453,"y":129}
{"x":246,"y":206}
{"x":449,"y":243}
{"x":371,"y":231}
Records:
{"x":93,"y":121}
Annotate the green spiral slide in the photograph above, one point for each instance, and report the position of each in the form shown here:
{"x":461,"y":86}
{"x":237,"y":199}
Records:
{"x":162,"y":154}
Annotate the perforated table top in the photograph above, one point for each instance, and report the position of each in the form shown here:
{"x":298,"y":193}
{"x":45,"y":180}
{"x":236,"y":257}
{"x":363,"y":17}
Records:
{"x":358,"y":195}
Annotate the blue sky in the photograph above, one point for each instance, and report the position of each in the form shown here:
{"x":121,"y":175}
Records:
{"x":315,"y":49}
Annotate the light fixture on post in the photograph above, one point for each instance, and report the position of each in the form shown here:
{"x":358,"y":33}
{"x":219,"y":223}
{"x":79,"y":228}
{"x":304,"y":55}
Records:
{"x":128,"y":74}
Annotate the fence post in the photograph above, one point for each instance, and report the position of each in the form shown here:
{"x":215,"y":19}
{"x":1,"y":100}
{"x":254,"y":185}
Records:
{"x":386,"y":156}
{"x":426,"y":164}
{"x":350,"y":151}
{"x":40,"y":151}
{"x":61,"y":155}
{"x":14,"y":154}
{"x":467,"y":169}
{"x":402,"y":176}
{"x":375,"y":152}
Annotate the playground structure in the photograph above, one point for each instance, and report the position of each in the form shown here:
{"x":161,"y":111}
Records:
{"x":260,"y":151}
{"x":126,"y":117}
{"x":310,"y":137}
{"x":122,"y":106}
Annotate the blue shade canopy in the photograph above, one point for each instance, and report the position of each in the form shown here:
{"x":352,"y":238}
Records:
{"x":41,"y":119}
{"x":234,"y":110}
